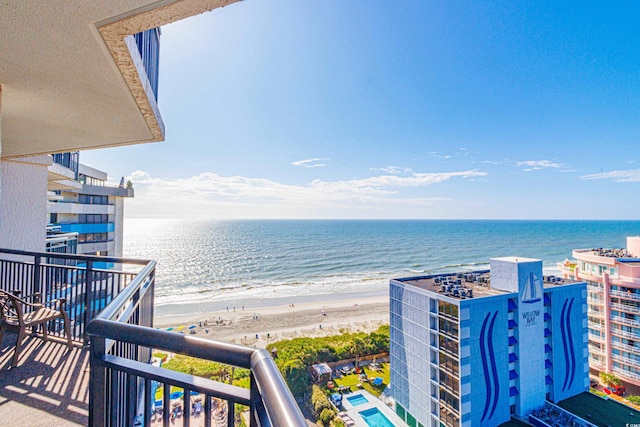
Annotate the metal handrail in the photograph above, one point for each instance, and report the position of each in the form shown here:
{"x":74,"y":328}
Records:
{"x":625,"y":321}
{"x":625,"y":307}
{"x":627,"y":295}
{"x":73,"y":257}
{"x":270,"y":389}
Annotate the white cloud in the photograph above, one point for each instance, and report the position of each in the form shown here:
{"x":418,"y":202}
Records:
{"x":438,"y":156}
{"x":631,"y":175}
{"x":311,"y":163}
{"x":534,"y":165}
{"x":393,"y":170}
{"x":209,"y":194}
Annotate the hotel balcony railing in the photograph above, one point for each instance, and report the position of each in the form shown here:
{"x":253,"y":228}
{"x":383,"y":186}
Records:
{"x":112,"y":313}
{"x":596,"y":363}
{"x":625,"y":321}
{"x":87,"y":289}
{"x":625,"y":334}
{"x":624,"y":347}
{"x":596,"y":350}
{"x":626,"y":295}
{"x":598,"y":301}
{"x":594,"y":337}
{"x":624,"y":373}
{"x":625,"y":307}
{"x":68,"y":160}
{"x":595,"y":326}
{"x":626,"y":361}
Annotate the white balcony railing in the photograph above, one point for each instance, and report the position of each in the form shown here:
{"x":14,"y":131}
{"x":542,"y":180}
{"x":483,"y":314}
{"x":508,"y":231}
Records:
{"x":625,"y":321}
{"x":624,"y":307}
{"x":625,"y":334}
{"x":626,"y":361}
{"x":625,"y":347}
{"x":623,"y":373}
{"x":626,"y":295}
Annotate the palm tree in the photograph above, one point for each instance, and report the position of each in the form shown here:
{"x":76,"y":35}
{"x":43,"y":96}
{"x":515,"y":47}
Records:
{"x":609,"y":379}
{"x":356,"y":348}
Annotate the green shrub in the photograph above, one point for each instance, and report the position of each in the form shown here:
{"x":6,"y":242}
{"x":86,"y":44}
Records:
{"x":326,"y":416}
{"x":204,"y":368}
{"x":634,"y":399}
{"x":319,"y":400}
{"x":160,"y":355}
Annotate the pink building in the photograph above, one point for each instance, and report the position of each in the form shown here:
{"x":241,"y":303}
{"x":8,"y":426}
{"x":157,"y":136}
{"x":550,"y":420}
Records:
{"x":613,"y":299}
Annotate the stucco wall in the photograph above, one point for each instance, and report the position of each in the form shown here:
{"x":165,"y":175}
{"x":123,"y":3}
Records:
{"x":119,"y":226}
{"x":23,"y":203}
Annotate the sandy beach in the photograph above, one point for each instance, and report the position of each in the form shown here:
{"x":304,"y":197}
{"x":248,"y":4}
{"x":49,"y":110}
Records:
{"x":260,"y":325}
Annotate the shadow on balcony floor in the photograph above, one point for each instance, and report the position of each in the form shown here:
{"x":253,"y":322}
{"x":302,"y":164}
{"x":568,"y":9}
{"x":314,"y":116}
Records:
{"x":49,"y":387}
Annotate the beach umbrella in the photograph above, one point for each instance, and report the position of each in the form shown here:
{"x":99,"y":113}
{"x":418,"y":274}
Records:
{"x":176,"y":395}
{"x":179,"y":328}
{"x":169,"y":329}
{"x":192,"y":327}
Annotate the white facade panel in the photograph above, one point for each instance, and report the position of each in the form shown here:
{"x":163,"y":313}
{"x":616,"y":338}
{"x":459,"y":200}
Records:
{"x":80,"y":208}
{"x":23,"y":203}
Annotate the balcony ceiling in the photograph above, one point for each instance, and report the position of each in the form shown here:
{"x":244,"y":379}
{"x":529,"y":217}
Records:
{"x":62,"y":90}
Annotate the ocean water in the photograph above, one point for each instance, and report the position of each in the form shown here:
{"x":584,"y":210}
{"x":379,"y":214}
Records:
{"x":223,"y":263}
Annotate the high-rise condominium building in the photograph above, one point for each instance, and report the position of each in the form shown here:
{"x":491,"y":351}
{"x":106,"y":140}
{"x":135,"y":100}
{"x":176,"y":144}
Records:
{"x":86,"y":209}
{"x":613,"y":298}
{"x":473,"y":349}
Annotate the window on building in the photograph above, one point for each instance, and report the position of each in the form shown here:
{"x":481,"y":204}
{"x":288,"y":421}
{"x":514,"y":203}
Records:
{"x":448,"y":309}
{"x":90,"y":199}
{"x":449,"y":345}
{"x":448,"y":327}
{"x":93,"y":219}
{"x":450,"y":382}
{"x":449,"y":363}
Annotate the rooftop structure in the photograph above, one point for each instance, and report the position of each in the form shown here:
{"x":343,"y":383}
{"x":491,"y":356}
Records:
{"x":613,"y":286}
{"x":476,"y":348}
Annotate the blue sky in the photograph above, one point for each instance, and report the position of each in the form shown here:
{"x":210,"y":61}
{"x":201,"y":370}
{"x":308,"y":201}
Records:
{"x":387,"y":109}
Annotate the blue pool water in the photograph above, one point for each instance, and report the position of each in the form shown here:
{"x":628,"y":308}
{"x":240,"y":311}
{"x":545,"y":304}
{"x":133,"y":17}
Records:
{"x":374,"y":418}
{"x":357,"y":400}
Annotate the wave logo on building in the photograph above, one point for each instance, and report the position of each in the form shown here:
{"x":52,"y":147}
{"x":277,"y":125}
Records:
{"x":489,"y":366}
{"x":567,"y":344}
{"x":532,"y":291}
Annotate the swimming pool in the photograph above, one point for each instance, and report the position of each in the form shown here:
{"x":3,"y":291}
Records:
{"x":358,"y":399}
{"x":374,"y":418}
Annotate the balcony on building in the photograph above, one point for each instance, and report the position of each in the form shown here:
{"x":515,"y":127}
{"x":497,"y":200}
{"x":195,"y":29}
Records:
{"x":108,"y":378}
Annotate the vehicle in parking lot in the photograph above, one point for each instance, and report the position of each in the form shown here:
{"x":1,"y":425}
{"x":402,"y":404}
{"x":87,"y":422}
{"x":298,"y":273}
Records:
{"x":614,"y":389}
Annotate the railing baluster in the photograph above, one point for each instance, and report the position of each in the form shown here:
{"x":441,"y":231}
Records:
{"x":166,"y":403}
{"x":87,"y":298}
{"x":186,"y":408}
{"x":231,"y":413}
{"x":132,"y":398}
{"x":207,"y":410}
{"x":147,"y":401}
{"x":36,"y":275}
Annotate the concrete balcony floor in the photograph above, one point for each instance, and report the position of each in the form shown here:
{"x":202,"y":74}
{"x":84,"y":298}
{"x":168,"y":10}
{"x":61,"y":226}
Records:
{"x":49,"y":387}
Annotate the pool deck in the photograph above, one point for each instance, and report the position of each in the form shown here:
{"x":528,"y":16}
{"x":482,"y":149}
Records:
{"x":373,"y":402}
